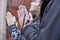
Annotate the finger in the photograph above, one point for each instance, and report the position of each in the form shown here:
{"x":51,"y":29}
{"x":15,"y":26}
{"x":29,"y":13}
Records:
{"x":9,"y":14}
{"x":18,"y":13}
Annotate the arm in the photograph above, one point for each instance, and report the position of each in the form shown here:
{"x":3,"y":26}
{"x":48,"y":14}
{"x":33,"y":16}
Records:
{"x":15,"y":33}
{"x":31,"y":32}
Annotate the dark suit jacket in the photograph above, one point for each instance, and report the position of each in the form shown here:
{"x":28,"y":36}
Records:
{"x":50,"y":24}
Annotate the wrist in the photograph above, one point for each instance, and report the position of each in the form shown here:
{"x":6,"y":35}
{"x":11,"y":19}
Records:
{"x":12,"y":24}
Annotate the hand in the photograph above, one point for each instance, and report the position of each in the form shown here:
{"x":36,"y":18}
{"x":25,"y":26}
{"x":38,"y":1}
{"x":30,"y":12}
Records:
{"x":10,"y":19}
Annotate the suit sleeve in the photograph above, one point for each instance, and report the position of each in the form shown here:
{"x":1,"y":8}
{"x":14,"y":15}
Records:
{"x":28,"y":33}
